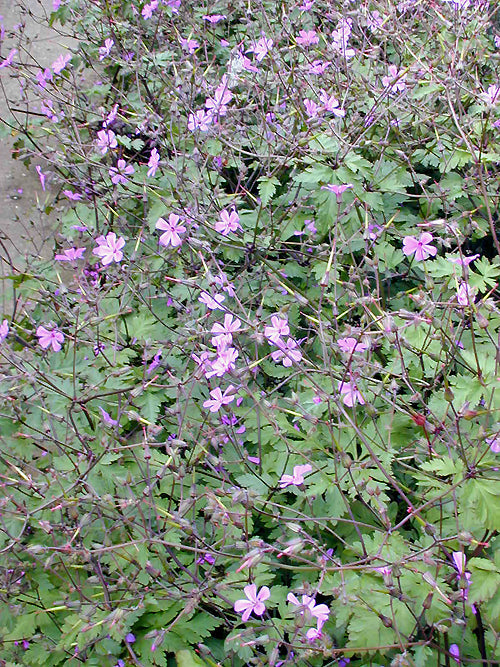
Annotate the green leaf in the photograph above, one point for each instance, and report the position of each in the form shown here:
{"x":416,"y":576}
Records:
{"x":480,"y":504}
{"x":485,"y":580}
{"x":267,"y":188}
{"x":187,"y":658}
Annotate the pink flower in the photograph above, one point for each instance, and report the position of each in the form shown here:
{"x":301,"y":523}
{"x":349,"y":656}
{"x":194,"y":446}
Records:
{"x":296,"y":478}
{"x":261,"y":48}
{"x":350,"y":394}
{"x":307,"y":38}
{"x":74,"y":196}
{"x":331,"y":104}
{"x":463,"y":261}
{"x":43,"y":76}
{"x":313,"y":634}
{"x":318,"y":67}
{"x":219,"y":399}
{"x":288,"y":352}
{"x":224,"y":332}
{"x":107,"y":417}
{"x":229,"y":222}
{"x":41,"y":176}
{"x":465,"y":295}
{"x":395,"y":81}
{"x":351,"y":345}
{"x":420,"y":246}
{"x":60,"y":63}
{"x":110,"y":117}
{"x":338,"y":190}
{"x":492,"y":96}
{"x":200,"y":120}
{"x":217,"y":105}
{"x":278,"y":327}
{"x":455,"y":653}
{"x":189,"y":45}
{"x":494,"y":443}
{"x":4,"y":330}
{"x":312,"y":109}
{"x":105,"y":50}
{"x":214,"y":18}
{"x":106,"y":139}
{"x":225,"y":361}
{"x":120,"y":172}
{"x":147,"y":10}
{"x":310,"y":226}
{"x":308,"y":604}
{"x":48,"y":338}
{"x":9,"y":60}
{"x":109,"y":248}
{"x":172,"y":229}
{"x":154,"y":161}
{"x":212,"y":302}
{"x":70,"y":255}
{"x":254,"y":602}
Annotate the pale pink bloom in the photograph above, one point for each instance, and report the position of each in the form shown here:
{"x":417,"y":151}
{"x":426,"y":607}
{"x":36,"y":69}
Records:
{"x":254,"y":602}
{"x":374,"y":20}
{"x":189,"y":45}
{"x":308,"y":604}
{"x":465,"y":295}
{"x":217,"y":105}
{"x":120,"y":172}
{"x":351,"y":345}
{"x":306,"y":6}
{"x":420,"y":246}
{"x":50,"y":338}
{"x":55,"y":5}
{"x":214,"y":18}
{"x":318,"y":67}
{"x":228,"y":222}
{"x":224,"y":332}
{"x":200,"y":120}
{"x":43,"y":76}
{"x":496,"y":40}
{"x":219,"y":399}
{"x":154,"y":161}
{"x":147,"y":10}
{"x":111,"y":117}
{"x":463,"y":261}
{"x":460,"y":560}
{"x":9,"y":60}
{"x":212,"y":302}
{"x":338,"y":190}
{"x":278,"y":327}
{"x":296,"y":478}
{"x":203,"y":360}
{"x":350,"y":394}
{"x":261,"y":48}
{"x":395,"y":81}
{"x":313,"y":634}
{"x":494,"y":443}
{"x":247,"y":64}
{"x":331,"y":104}
{"x":341,"y":38}
{"x":222,"y":281}
{"x":172,"y":229}
{"x":74,"y":196}
{"x":307,"y":38}
{"x":225,"y":361}
{"x":106,"y":139}
{"x":109,"y":248}
{"x":173,"y":4}
{"x":47,"y":107}
{"x":60,"y":63}
{"x":288,"y":352}
{"x":105,"y":50}
{"x":312,"y":109}
{"x":70,"y":255}
{"x":41,"y":176}
{"x":4,"y":330}
{"x":492,"y":95}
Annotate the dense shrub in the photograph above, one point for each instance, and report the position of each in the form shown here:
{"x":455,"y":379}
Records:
{"x":249,"y":411}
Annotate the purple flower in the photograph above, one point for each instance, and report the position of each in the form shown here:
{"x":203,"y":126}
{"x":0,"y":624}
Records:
{"x":106,"y":139}
{"x":147,"y":10}
{"x":130,"y":638}
{"x":41,"y":176}
{"x":338,"y":190}
{"x":217,"y":105}
{"x":214,"y":18}
{"x":318,"y":67}
{"x":154,"y":363}
{"x":60,"y":63}
{"x":331,"y":104}
{"x":212,"y":302}
{"x":288,"y":352}
{"x":312,"y":109}
{"x":307,"y":38}
{"x":254,"y":601}
{"x":50,"y":338}
{"x":494,"y":443}
{"x":463,"y":261}
{"x":308,"y":604}
{"x":465,"y":294}
{"x":171,"y":228}
{"x":225,"y":361}
{"x":189,"y":45}
{"x":261,"y":48}
{"x":278,"y":327}
{"x":224,"y":332}
{"x":350,"y":394}
{"x":9,"y":60}
{"x":109,"y":248}
{"x":219,"y":399}
{"x":351,"y":345}
{"x":228,"y":222}
{"x":4,"y":330}
{"x":70,"y":255}
{"x":492,"y":96}
{"x":43,"y":76}
{"x":74,"y":196}
{"x":296,"y":478}
{"x":107,"y":417}
{"x":420,"y":247}
{"x":154,"y":161}
{"x":105,"y":50}
{"x":200,"y":120}
{"x":395,"y":81}
{"x":206,"y":558}
{"x":455,"y":653}
{"x":120,"y":172}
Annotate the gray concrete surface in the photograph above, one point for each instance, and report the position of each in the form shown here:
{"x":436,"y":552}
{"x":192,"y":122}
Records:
{"x":24,"y":227}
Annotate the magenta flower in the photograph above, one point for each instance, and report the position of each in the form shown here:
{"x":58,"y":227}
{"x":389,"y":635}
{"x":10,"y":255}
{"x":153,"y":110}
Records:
{"x":4,"y":330}
{"x":492,"y":96}
{"x":107,"y":417}
{"x":110,"y":117}
{"x":278,"y":327}
{"x":225,"y":361}
{"x":463,"y":261}
{"x":217,"y":105}
{"x":395,"y":81}
{"x":200,"y":120}
{"x":153,"y":162}
{"x":147,"y":10}
{"x":189,"y":45}
{"x":308,"y":604}
{"x":254,"y":602}
{"x":331,"y":104}
{"x":261,"y":48}
{"x":351,"y":345}
{"x":288,"y":352}
{"x":212,"y":302}
{"x":318,"y":67}
{"x":228,"y":222}
{"x":350,"y":394}
{"x":494,"y":443}
{"x":214,"y":18}
{"x":9,"y":60}
{"x":106,"y":139}
{"x":109,"y":248}
{"x":219,"y":399}
{"x":120,"y":172}
{"x":224,"y":332}
{"x":312,"y":109}
{"x":70,"y":255}
{"x":420,"y":247}
{"x":60,"y":63}
{"x":455,"y":653}
{"x":74,"y":196}
{"x":41,"y":176}
{"x":307,"y":38}
{"x":172,"y":228}
{"x":296,"y":478}
{"x":337,"y":190}
{"x":50,"y":338}
{"x":43,"y":76}
{"x":105,"y":50}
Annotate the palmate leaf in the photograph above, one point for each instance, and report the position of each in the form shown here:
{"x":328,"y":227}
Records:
{"x":485,"y":580}
{"x":479,"y":504}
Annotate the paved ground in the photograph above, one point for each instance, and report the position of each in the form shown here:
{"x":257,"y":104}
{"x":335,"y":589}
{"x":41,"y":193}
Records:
{"x":24,"y":228}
